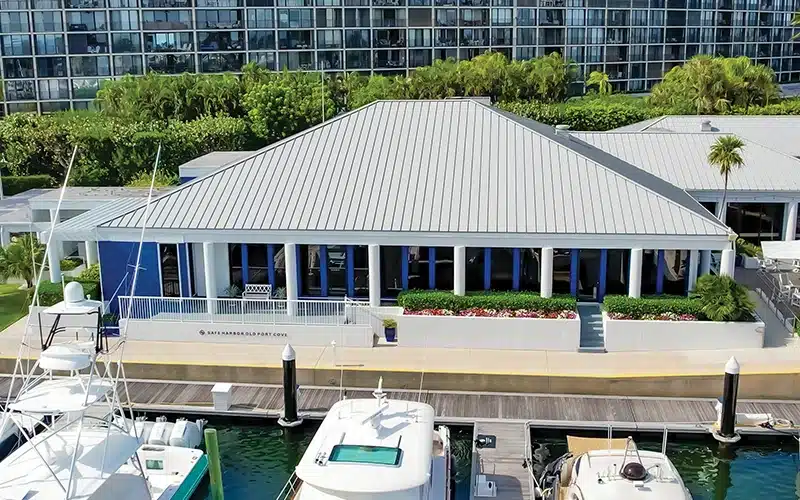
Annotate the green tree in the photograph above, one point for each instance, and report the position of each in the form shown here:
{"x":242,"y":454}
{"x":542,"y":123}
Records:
{"x":726,"y":155}
{"x":163,"y":179}
{"x":723,"y":299}
{"x":601,"y":80}
{"x":21,"y":259}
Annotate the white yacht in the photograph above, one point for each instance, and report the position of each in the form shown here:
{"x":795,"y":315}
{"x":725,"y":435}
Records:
{"x":611,"y":469}
{"x":89,"y":449}
{"x":375,"y":448}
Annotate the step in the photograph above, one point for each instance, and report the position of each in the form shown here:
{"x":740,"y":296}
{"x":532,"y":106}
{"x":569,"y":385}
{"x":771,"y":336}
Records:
{"x":593,"y":350}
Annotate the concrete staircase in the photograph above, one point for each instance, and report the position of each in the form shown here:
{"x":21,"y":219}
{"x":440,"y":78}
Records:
{"x":592,"y":335}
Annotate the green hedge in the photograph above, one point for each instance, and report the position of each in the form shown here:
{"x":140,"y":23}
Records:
{"x":416,"y":300}
{"x":13,"y":184}
{"x":52,"y":293}
{"x":636,"y":308}
{"x":70,"y":263}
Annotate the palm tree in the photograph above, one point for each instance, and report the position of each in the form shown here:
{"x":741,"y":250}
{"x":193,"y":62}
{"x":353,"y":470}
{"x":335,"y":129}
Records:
{"x":601,"y":80}
{"x":21,"y":259}
{"x":726,"y":154}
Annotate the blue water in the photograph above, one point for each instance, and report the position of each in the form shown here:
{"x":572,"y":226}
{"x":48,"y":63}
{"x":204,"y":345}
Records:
{"x":258,"y":458}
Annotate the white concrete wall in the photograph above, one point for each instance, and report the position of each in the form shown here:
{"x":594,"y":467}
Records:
{"x":489,"y":333}
{"x":640,"y":335}
{"x":235,"y":333}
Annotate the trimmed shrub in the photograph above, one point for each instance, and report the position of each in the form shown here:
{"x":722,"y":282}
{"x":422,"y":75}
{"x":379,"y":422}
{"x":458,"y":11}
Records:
{"x":15,"y":184}
{"x":91,"y":273}
{"x":417,"y":300}
{"x":652,"y":305}
{"x":51,"y":293}
{"x":70,"y":263}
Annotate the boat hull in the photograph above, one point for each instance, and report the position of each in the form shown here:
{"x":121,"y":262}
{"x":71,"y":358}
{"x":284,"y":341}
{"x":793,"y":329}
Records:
{"x":192,"y":481}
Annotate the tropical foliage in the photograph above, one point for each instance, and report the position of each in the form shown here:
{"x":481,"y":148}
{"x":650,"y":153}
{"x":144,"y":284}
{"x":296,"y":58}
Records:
{"x":21,"y":259}
{"x":710,"y":85}
{"x":726,"y":155}
{"x":657,"y":307}
{"x":600,"y":80}
{"x":722,"y":299}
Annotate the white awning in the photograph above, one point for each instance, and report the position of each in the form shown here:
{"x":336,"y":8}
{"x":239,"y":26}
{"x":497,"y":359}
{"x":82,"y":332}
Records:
{"x":781,"y":250}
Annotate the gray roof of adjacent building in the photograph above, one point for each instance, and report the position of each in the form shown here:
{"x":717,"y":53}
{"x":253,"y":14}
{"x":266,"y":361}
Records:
{"x":83,"y":226}
{"x":446,"y":167}
{"x":682,"y":159}
{"x":781,"y":133}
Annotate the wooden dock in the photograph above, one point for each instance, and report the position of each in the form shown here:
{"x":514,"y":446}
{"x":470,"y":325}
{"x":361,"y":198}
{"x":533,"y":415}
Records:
{"x":502,"y":462}
{"x":539,"y":410}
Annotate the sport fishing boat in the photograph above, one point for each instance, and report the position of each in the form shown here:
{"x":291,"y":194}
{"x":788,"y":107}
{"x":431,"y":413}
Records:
{"x":89,"y":448}
{"x":610,"y":469}
{"x":375,"y":448}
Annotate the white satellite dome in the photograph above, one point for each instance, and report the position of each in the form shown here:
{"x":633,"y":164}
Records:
{"x":73,"y":293}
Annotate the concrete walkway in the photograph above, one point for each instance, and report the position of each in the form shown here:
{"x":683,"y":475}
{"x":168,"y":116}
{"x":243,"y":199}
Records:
{"x":774,"y":360}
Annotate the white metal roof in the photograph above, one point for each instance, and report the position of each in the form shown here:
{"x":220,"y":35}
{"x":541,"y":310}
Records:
{"x":781,"y":133}
{"x":82,"y":227}
{"x":86,"y":198}
{"x":450,"y":168}
{"x":682,"y":159}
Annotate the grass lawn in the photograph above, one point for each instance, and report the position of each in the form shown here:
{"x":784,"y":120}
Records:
{"x":13,"y":304}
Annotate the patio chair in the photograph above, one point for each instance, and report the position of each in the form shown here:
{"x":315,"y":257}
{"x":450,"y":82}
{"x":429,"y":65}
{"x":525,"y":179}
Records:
{"x":795,"y":298}
{"x":784,"y":288}
{"x":767,"y":265}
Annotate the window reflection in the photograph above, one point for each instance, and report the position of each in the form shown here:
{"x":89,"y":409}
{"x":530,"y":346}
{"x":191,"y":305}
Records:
{"x":391,"y":271}
{"x":310,"y":270}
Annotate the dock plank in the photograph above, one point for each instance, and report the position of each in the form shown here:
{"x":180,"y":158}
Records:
{"x":503,"y":463}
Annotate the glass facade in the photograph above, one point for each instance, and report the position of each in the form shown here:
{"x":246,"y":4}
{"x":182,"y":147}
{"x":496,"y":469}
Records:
{"x":634,"y":41}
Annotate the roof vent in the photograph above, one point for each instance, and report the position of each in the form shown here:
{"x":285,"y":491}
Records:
{"x":705,"y":126}
{"x":562,"y":130}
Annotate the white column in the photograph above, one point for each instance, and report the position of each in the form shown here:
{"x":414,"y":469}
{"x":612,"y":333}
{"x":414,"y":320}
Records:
{"x":374,"y":260}
{"x":5,"y":237}
{"x":791,"y":221}
{"x":290,"y":256}
{"x":694,"y":256}
{"x":54,"y":261}
{"x":635,"y":285}
{"x":209,"y":258}
{"x":705,"y":262}
{"x":91,"y":253}
{"x":727,"y":263}
{"x":546,"y":279}
{"x":58,"y":244}
{"x":460,"y":270}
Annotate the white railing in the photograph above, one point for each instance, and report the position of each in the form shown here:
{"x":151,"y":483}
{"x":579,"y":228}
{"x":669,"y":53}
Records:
{"x":245,"y":311}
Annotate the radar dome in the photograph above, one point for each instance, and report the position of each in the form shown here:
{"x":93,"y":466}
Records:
{"x":73,"y":293}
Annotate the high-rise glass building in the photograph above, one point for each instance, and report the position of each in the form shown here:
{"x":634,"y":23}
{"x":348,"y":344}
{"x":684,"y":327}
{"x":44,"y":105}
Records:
{"x":56,"y":52}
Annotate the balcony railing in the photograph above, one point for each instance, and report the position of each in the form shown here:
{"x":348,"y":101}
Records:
{"x":245,"y":311}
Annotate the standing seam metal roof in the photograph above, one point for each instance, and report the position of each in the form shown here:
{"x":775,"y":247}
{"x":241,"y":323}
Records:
{"x":434,"y":167}
{"x":682,"y":159}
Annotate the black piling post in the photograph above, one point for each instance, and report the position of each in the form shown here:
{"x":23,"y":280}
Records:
{"x":727,"y":418}
{"x":289,"y":418}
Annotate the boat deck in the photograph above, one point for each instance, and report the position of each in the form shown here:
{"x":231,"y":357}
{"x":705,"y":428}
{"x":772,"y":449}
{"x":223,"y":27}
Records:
{"x":502,"y":463}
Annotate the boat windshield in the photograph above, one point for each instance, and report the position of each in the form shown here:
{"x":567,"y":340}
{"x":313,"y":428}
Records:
{"x":374,"y":455}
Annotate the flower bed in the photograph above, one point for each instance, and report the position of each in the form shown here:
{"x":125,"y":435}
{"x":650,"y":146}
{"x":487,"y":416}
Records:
{"x":657,"y":308}
{"x":435,"y":300}
{"x":667,"y":316}
{"x":477,"y":312}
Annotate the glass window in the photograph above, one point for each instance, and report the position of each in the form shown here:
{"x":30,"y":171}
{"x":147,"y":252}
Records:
{"x":295,"y":18}
{"x":502,"y":17}
{"x":49,"y":44}
{"x":329,"y":18}
{"x":356,"y":18}
{"x":221,"y":40}
{"x":88,"y":44}
{"x":310,"y":270}
{"x":526,"y":17}
{"x":90,"y":66}
{"x":18,"y":67}
{"x":84,"y":4}
{"x":296,"y":60}
{"x":45,"y":4}
{"x":126,"y":42}
{"x":260,"y":40}
{"x":20,"y":91}
{"x":170,"y":277}
{"x":171,"y":64}
{"x":329,"y":39}
{"x":474,"y":271}
{"x":263,"y":59}
{"x":13,"y":4}
{"x":50,"y":67}
{"x":53,"y":89}
{"x":419,"y":38}
{"x":14,"y":22}
{"x":123,"y":4}
{"x":86,"y":21}
{"x":617,"y":272}
{"x":235,"y":264}
{"x":16,"y":45}
{"x":561,"y":269}
{"x":529,"y":269}
{"x":756,"y":222}
{"x":219,"y":19}
{"x":418,"y":268}
{"x":220,"y":3}
{"x":279,"y":265}
{"x":502,"y":269}
{"x":260,"y":18}
{"x":128,"y":65}
{"x":357,"y":39}
{"x":47,"y":21}
{"x":375,"y":455}
{"x":392,"y":271}
{"x":221,"y":63}
{"x":420,"y":17}
{"x":160,"y":20}
{"x":168,"y":42}
{"x":124,"y":20}
{"x":337,"y":270}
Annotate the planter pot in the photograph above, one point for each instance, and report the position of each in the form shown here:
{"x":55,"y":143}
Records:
{"x":749,"y":262}
{"x":391,"y":334}
{"x":643,"y":335}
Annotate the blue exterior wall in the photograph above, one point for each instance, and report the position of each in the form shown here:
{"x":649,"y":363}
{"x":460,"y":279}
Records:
{"x":183,"y":262}
{"x":117,"y":264}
